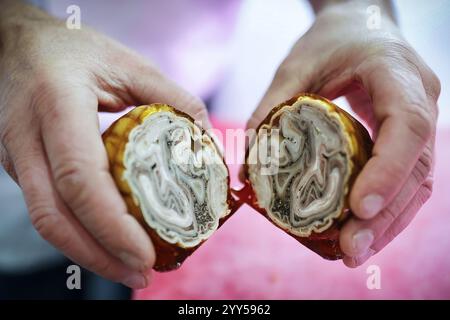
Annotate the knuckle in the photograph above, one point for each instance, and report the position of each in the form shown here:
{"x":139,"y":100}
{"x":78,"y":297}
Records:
{"x":7,"y":137}
{"x":420,"y":123}
{"x":68,"y":177}
{"x":423,"y":169}
{"x":283,"y":73}
{"x":5,"y":160}
{"x":393,"y":171}
{"x":433,"y":85}
{"x":49,"y":95}
{"x":426,"y":190}
{"x":7,"y":165}
{"x":24,"y":163}
{"x":48,"y":112}
{"x":45,"y":221}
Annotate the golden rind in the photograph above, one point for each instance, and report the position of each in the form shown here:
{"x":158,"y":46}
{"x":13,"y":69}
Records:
{"x":168,"y":256}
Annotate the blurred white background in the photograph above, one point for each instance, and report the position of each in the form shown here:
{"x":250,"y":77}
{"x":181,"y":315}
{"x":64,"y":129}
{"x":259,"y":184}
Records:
{"x":266,"y":31}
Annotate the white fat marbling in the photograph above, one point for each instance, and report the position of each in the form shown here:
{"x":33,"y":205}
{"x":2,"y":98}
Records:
{"x":304,"y":189}
{"x":178,"y":178}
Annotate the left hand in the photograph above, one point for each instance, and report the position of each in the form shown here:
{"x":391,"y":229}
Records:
{"x":391,"y":88}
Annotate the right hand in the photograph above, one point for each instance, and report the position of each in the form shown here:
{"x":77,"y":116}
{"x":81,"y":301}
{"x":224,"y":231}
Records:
{"x":52,"y":83}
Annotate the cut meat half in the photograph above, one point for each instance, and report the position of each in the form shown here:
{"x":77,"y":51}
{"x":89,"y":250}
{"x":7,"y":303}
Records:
{"x":172,"y":176}
{"x":302,"y":165}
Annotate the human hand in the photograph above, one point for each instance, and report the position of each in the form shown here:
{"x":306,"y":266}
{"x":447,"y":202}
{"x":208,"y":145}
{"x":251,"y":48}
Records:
{"x":52,"y":83}
{"x":391,"y":88}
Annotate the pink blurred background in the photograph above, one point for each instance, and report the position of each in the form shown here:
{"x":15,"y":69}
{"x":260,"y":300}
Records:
{"x":227,"y":52}
{"x":248,"y":258}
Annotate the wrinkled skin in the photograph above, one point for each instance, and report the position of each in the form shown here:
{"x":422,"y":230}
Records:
{"x":52,"y":83}
{"x":391,"y":88}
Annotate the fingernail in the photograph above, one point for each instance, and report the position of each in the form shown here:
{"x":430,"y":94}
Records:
{"x":131,"y":261}
{"x":371,"y":205}
{"x":135,"y":281}
{"x":361,"y":241}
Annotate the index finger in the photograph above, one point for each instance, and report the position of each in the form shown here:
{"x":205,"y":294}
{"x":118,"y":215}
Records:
{"x":406,"y":120}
